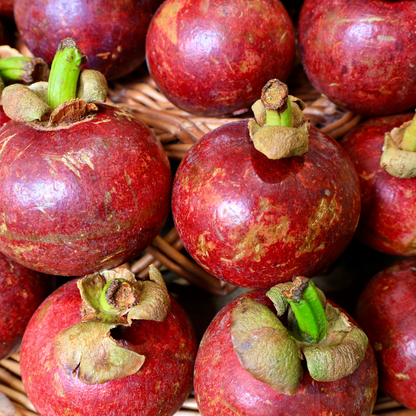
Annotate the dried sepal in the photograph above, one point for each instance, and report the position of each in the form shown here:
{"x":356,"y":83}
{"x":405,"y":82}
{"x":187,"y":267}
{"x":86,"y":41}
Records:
{"x":396,"y":161}
{"x":264,"y":347}
{"x":22,"y":104}
{"x":297,"y":106}
{"x":88,"y":349}
{"x":260,"y":340}
{"x":40,"y":88}
{"x":152,"y":295}
{"x":278,"y":142}
{"x":154,"y":298}
{"x":71,"y":111}
{"x":7,"y":51}
{"x":92,"y":86}
{"x":342,"y":351}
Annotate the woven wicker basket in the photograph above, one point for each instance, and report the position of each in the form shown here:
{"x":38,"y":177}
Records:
{"x":12,"y":387}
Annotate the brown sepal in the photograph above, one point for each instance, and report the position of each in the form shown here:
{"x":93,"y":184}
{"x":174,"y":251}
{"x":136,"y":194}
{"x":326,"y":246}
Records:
{"x":88,"y":349}
{"x":396,"y":161}
{"x":71,"y":111}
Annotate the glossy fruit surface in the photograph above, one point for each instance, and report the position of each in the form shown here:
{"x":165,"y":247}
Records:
{"x":255,"y":222}
{"x":81,"y":198}
{"x":22,"y":291}
{"x":112,"y":34}
{"x":386,"y":310}
{"x":159,"y":387}
{"x":224,"y":387}
{"x":214,"y":57}
{"x":388,"y":213}
{"x":360,"y":53}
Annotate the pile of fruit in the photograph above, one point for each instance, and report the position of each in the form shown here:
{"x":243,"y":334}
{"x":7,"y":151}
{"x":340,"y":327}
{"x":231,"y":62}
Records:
{"x":264,"y":205}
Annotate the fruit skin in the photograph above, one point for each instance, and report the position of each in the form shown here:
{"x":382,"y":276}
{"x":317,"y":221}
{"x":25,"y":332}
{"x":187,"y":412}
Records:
{"x":388,"y":204}
{"x":255,"y":222}
{"x":83,"y":198}
{"x":223,"y":387}
{"x":159,"y":387}
{"x":22,"y":291}
{"x":360,"y":53}
{"x":112,"y":34}
{"x":213,"y":58}
{"x":386,"y":310}
{"x":3,"y":118}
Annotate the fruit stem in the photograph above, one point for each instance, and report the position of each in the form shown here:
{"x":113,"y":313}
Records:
{"x":308,"y":310}
{"x":274,"y":97}
{"x":118,"y":294}
{"x":65,"y":70}
{"x":409,"y":137}
{"x":18,"y":68}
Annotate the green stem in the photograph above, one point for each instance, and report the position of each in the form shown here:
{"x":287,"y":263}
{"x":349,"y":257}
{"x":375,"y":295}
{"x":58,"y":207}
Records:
{"x":309,"y":312}
{"x":22,"y":68}
{"x":275,"y":99}
{"x":409,"y":137}
{"x":118,"y":294}
{"x":65,"y":70}
{"x":274,"y":118}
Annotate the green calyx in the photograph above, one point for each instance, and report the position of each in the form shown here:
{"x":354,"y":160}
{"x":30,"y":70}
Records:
{"x":109,"y":299}
{"x":323,"y":335}
{"x":70,"y":92}
{"x":279,"y":129}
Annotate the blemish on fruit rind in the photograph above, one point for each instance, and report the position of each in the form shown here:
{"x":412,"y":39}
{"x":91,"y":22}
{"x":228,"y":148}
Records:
{"x":402,"y":376}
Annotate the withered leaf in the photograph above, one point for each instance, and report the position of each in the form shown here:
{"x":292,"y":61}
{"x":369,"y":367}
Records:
{"x":264,"y":347}
{"x":89,"y":347}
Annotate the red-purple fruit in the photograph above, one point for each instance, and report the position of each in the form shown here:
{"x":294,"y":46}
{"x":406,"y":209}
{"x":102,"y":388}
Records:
{"x":248,"y":362}
{"x":388,"y":203}
{"x":6,"y":8}
{"x":21,"y":292}
{"x":386,"y":310}
{"x":86,"y":190}
{"x":254,"y":220}
{"x":79,"y":356}
{"x":112,"y":34}
{"x":212,"y":58}
{"x":3,"y":118}
{"x":360,"y":53}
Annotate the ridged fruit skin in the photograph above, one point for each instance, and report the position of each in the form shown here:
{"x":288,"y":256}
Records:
{"x":21,"y":292}
{"x":255,"y":222}
{"x":111,"y":33}
{"x":386,"y":310}
{"x":223,"y":387}
{"x":158,"y":388}
{"x":213,"y":58}
{"x":82,"y":198}
{"x":360,"y":53}
{"x":388,"y":204}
